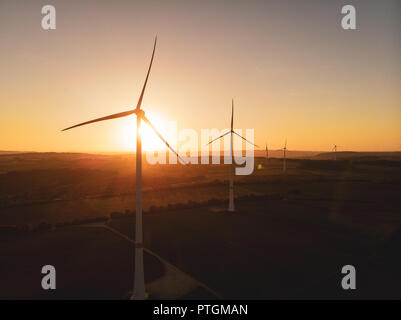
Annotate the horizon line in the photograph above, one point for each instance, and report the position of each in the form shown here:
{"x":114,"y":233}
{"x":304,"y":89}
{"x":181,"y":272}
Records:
{"x":222,"y":151}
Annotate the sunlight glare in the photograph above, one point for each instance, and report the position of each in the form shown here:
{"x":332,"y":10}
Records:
{"x":126,"y":136}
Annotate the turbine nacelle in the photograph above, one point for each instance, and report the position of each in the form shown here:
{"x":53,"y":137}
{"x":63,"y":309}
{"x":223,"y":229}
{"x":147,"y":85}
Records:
{"x":140,"y":113}
{"x":232,"y":130}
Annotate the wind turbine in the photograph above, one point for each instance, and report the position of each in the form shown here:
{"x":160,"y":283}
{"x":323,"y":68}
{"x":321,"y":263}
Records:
{"x":335,"y":151}
{"x":267,"y":152}
{"x":231,"y":184}
{"x":139,"y":281}
{"x":284,"y":159}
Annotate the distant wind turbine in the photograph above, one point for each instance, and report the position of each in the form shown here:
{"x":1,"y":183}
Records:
{"x":284,"y":159}
{"x":267,"y":152}
{"x":231,"y":185}
{"x":139,"y":281}
{"x":335,"y":151}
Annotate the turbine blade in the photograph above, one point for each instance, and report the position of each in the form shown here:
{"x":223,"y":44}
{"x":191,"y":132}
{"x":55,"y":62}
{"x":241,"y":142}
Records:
{"x":113,"y":116}
{"x":138,"y":106}
{"x":162,"y":139}
{"x":218,"y":137}
{"x":232,"y":115}
{"x":245,"y":139}
{"x":285,"y":146}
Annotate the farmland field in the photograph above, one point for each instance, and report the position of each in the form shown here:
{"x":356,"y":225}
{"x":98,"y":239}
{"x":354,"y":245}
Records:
{"x":289,"y":238}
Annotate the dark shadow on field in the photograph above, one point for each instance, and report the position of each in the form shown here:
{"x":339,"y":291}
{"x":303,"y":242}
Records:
{"x":269,"y":249}
{"x":91,"y":263}
{"x":378,"y":277}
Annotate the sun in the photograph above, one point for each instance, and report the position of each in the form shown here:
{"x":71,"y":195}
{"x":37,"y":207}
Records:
{"x":150,"y":141}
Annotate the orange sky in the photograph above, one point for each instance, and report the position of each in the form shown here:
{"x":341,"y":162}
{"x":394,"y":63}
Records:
{"x":293,"y":72}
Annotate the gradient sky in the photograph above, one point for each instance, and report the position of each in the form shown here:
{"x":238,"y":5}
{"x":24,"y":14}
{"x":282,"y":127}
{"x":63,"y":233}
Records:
{"x":291,"y":68}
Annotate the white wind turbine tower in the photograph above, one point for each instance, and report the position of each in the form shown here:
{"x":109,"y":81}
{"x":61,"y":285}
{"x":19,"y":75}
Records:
{"x":231,"y":184}
{"x":284,"y":159}
{"x":139,"y":281}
